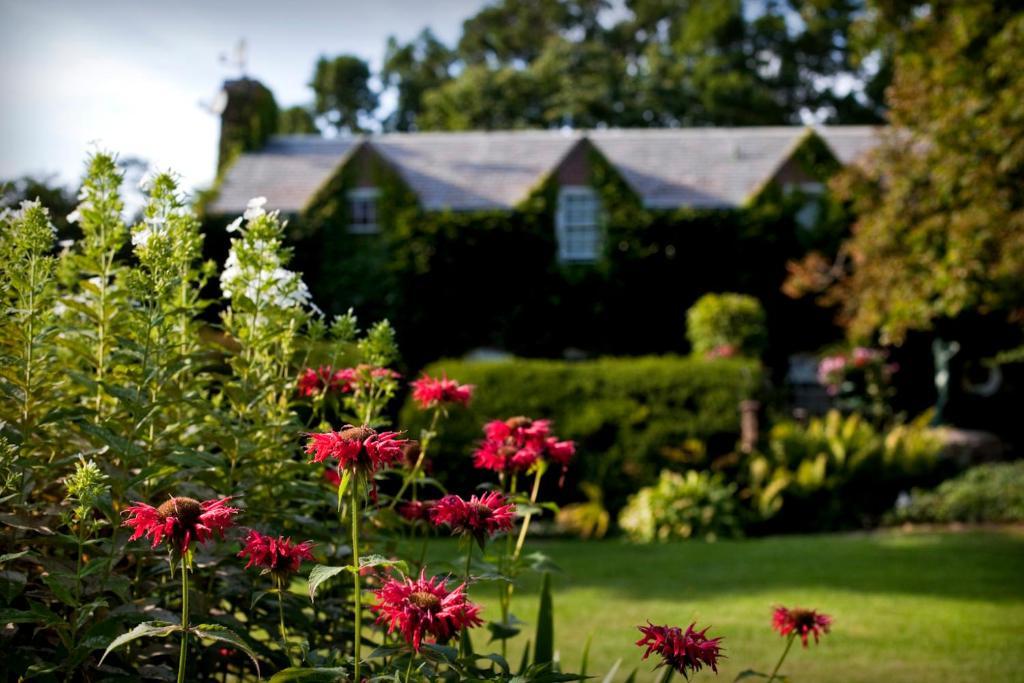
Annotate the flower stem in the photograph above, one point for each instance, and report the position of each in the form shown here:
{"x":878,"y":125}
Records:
{"x":789,"y":644}
{"x":357,"y":597}
{"x":526,"y":519}
{"x":469,"y":562}
{"x":424,"y":445}
{"x":280,"y":616}
{"x":183,"y":657}
{"x":408,"y":669}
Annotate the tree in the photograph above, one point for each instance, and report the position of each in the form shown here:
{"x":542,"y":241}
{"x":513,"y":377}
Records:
{"x":659,"y":63}
{"x":59,"y":200}
{"x":413,"y":69}
{"x":939,"y":234}
{"x":343,"y":96}
{"x":296,"y":121}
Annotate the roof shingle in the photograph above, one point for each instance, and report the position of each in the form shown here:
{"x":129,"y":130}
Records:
{"x":668,"y":168}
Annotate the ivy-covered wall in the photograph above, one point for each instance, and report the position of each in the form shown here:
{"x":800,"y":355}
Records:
{"x":454,"y":281}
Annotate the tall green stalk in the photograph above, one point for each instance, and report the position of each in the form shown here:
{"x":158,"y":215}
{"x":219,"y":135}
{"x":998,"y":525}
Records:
{"x":356,"y":584}
{"x":789,"y":644}
{"x":183,"y":657}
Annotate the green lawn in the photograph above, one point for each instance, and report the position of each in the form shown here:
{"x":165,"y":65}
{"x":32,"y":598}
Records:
{"x":907,"y":607}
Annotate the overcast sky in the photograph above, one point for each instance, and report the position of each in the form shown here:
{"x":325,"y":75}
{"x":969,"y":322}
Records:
{"x":128,"y":76}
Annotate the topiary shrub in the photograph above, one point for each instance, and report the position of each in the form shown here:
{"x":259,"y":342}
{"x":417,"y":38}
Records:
{"x":629,"y":416}
{"x":691,"y":505}
{"x":726,"y":325}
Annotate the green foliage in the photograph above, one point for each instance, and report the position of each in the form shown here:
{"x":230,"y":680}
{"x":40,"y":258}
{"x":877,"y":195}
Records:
{"x":691,"y":505}
{"x":626,"y":414}
{"x":720,"y":321}
{"x":839,"y":471}
{"x":296,"y":121}
{"x":342,"y":93}
{"x":939,"y":213}
{"x":990,"y":493}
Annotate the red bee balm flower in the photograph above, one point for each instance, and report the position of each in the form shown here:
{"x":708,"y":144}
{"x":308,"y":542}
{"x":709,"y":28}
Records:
{"x":429,"y":392}
{"x":358,"y":449}
{"x":425,"y":607}
{"x":480,"y":517}
{"x":279,"y":556}
{"x":517,"y":443}
{"x":803,"y":622}
{"x":685,"y":651}
{"x":180,"y":521}
{"x":322,"y":380}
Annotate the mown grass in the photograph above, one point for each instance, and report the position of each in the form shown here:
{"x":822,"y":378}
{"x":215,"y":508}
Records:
{"x":908,"y":607}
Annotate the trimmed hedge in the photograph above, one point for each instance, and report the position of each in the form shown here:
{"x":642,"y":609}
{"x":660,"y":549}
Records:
{"x":629,"y":416}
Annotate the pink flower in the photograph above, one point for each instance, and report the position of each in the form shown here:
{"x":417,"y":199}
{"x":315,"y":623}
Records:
{"x":423,"y":607}
{"x":481,"y":517}
{"x":358,"y":449}
{"x":280,"y":556}
{"x":516,"y":444}
{"x":830,"y":372}
{"x":429,"y":392}
{"x":723,"y":351}
{"x":803,"y":622}
{"x":685,"y":651}
{"x":180,"y":521}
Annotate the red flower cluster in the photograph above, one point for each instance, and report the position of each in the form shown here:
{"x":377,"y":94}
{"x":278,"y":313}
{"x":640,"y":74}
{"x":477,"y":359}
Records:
{"x":481,"y":517}
{"x":326,"y":380}
{"x":180,"y":521}
{"x":280,"y":556}
{"x":425,"y":607}
{"x":357,"y":449}
{"x":803,"y":622}
{"x":516,"y":444}
{"x":323,"y":380}
{"x":430,"y":392}
{"x":685,"y":651}
{"x":417,"y":510}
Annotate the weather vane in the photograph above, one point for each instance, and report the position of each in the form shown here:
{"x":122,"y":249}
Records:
{"x":237,"y":58}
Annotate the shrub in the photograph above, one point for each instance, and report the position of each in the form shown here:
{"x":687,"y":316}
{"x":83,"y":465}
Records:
{"x":992,"y":492}
{"x":691,"y":505}
{"x":839,"y":471}
{"x":627,"y":415}
{"x":726,"y":324}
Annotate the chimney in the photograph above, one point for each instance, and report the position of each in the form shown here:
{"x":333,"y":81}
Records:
{"x":248,"y":118}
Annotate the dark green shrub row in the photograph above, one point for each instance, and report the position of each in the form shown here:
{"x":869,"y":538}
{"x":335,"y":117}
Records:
{"x":629,"y":416}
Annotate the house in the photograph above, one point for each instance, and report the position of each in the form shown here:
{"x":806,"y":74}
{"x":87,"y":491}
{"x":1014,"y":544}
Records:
{"x":543,"y":242}
{"x":668,"y":169}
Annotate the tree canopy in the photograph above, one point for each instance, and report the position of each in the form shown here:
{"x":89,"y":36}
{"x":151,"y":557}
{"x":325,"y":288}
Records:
{"x":940,"y":212}
{"x":583,"y":63}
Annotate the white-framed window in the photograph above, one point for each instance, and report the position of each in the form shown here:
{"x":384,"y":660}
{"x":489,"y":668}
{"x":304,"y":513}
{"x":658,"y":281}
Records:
{"x":578,"y":224}
{"x":362,"y":211}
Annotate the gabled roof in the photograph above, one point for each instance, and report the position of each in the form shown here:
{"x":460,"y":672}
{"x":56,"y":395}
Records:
{"x":850,"y":143}
{"x":474,"y":170}
{"x":287,"y":171}
{"x":667,"y":168}
{"x":697,"y":167}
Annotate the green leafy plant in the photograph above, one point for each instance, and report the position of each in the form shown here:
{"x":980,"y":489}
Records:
{"x":691,"y":505}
